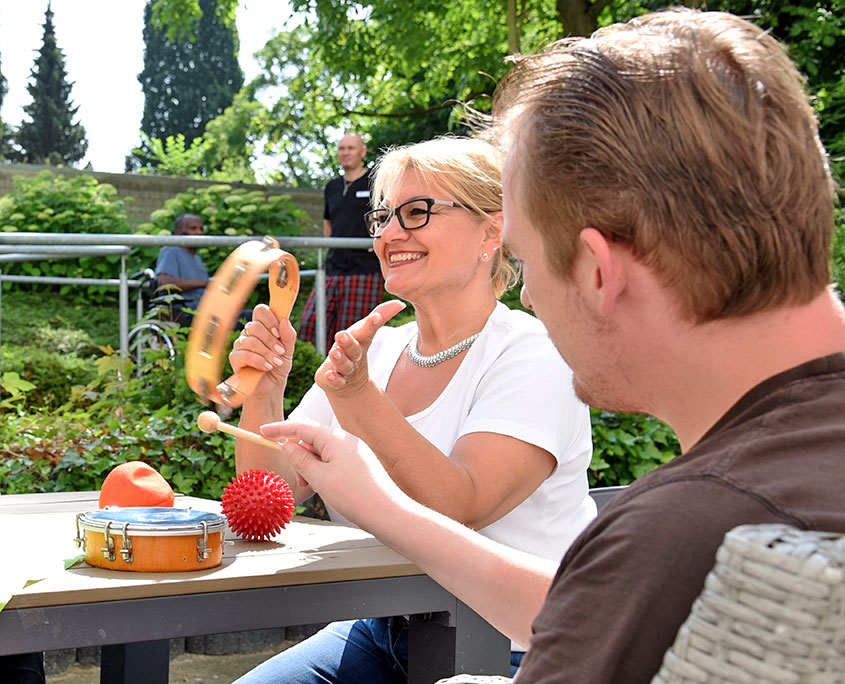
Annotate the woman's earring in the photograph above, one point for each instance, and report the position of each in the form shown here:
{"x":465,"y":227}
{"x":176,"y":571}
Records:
{"x":485,"y":256}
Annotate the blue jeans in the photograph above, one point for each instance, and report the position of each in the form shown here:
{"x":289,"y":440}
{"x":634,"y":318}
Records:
{"x":371,"y":651}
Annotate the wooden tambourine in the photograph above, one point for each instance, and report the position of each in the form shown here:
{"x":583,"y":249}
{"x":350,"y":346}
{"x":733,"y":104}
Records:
{"x":218,"y":312}
{"x":154,"y":539}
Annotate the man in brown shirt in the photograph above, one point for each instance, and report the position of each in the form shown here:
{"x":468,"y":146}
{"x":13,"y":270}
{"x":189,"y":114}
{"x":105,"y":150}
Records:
{"x":669,"y":197}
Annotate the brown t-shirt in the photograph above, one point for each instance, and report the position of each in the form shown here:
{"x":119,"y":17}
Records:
{"x":628,"y":582}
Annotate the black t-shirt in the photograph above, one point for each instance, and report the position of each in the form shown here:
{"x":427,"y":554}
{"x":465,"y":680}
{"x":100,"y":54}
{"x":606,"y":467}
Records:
{"x":346,"y":213}
{"x":629,"y":581}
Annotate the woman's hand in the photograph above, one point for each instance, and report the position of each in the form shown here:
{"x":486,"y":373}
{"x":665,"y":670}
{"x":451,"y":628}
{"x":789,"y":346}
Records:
{"x":265,"y":343}
{"x":345,"y":370}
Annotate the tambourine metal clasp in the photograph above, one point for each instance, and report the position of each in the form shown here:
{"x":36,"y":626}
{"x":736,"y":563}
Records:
{"x":218,"y":313}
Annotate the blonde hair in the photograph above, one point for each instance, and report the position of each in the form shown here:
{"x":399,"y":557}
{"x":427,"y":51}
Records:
{"x":688,"y":136}
{"x":469,"y":169}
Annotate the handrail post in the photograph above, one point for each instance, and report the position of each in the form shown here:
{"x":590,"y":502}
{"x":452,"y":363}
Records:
{"x":320,"y":289}
{"x":123,"y":299}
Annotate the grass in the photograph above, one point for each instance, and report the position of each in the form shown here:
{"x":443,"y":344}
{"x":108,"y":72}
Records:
{"x":44,"y":319}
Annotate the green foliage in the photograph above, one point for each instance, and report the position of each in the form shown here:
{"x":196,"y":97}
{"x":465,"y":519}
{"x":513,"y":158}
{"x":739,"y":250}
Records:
{"x":627,"y":446}
{"x":50,"y":136}
{"x":59,"y":203}
{"x":225,"y":210}
{"x":306,"y":361}
{"x":224,"y":152}
{"x":187,"y":79}
{"x":52,"y":374}
{"x":179,"y":18}
{"x":41,"y":321}
{"x":838,"y":252}
{"x":120,"y":413}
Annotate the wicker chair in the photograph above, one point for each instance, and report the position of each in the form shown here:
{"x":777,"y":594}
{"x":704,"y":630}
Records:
{"x":772,"y":610}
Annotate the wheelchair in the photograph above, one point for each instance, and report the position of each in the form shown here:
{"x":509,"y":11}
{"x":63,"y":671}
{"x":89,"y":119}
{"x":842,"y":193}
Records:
{"x":155,"y":332}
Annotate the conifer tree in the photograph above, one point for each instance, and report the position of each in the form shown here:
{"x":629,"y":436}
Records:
{"x":50,"y":136}
{"x":189,"y":79}
{"x":5,"y":132}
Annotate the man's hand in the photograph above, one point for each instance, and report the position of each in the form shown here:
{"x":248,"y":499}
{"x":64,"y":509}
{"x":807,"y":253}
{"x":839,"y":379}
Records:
{"x":339,"y":467}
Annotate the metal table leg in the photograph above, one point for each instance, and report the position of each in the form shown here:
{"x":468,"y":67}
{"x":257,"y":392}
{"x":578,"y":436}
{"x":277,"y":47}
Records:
{"x":143,"y":662}
{"x":455,"y":643}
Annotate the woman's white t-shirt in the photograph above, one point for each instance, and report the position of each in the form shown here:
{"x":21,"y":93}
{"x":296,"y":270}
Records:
{"x":513,"y":382}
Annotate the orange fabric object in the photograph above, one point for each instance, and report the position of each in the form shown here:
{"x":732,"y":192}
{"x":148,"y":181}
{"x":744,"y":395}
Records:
{"x":135,"y":484}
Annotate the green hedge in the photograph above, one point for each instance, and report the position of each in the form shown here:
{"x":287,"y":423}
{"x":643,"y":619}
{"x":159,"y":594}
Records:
{"x":57,"y":203}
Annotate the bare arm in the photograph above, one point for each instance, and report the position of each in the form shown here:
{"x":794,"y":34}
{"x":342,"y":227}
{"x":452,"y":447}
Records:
{"x":505,"y":586}
{"x":183,"y":284}
{"x":327,"y":228}
{"x":268,"y":346}
{"x":466,"y":484}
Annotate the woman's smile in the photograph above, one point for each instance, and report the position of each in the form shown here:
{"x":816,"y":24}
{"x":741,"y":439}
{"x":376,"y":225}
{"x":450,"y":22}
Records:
{"x":399,"y":258}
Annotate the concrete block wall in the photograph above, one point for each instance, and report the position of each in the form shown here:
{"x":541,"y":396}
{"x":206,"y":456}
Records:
{"x":149,"y":193}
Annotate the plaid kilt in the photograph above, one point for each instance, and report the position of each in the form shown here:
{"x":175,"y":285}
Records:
{"x":348,"y":299}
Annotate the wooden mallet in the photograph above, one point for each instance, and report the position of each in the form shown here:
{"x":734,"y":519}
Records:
{"x":209,"y":421}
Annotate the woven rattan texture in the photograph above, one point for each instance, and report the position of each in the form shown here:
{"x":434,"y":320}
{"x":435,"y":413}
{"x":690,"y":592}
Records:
{"x":772,"y":610}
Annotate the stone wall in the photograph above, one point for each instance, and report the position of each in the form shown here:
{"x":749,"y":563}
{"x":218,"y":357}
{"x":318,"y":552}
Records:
{"x":149,"y":193}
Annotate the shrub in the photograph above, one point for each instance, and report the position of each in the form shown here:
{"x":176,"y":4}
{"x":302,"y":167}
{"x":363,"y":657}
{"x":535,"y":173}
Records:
{"x":838,"y":252}
{"x":42,"y":320}
{"x":225,"y":210}
{"x":60,"y":203}
{"x":627,"y":446}
{"x":120,"y":414}
{"x":53,"y":373}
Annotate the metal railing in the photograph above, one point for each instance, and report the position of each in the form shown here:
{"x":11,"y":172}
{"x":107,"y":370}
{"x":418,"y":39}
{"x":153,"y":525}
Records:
{"x":39,"y":246}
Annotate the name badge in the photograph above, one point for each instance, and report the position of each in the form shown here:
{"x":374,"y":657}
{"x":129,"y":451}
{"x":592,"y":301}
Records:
{"x":362,"y":193}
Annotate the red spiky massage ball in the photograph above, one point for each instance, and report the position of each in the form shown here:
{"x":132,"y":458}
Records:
{"x":257,"y":504}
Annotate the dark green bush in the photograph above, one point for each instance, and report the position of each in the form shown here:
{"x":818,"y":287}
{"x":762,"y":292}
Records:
{"x":42,"y":319}
{"x":53,"y":374}
{"x":839,"y":251}
{"x":627,"y":446}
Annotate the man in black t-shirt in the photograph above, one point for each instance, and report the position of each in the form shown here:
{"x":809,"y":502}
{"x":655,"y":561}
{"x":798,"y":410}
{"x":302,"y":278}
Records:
{"x":353,"y":276}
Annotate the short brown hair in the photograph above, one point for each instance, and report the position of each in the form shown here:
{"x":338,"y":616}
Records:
{"x":470,"y":169}
{"x":687,"y":135}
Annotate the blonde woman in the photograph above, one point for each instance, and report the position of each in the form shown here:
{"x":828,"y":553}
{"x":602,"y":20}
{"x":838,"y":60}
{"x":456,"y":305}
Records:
{"x":470,"y":408}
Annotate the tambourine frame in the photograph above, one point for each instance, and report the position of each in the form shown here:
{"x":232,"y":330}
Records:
{"x":218,"y":312}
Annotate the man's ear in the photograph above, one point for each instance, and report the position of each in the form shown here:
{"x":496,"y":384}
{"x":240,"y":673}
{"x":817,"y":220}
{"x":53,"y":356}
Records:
{"x":603,"y":271}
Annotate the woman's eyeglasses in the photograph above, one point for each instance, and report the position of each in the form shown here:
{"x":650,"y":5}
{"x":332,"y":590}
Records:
{"x":412,"y":214}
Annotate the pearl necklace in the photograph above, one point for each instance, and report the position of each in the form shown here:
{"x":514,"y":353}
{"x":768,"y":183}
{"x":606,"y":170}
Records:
{"x":439,"y":357}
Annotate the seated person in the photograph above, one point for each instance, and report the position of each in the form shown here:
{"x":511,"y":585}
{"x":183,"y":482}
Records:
{"x":182,"y":268}
{"x":469,"y":407}
{"x":668,"y":195}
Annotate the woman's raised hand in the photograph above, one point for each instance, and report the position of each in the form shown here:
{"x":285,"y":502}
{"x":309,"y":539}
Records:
{"x":345,"y":370}
{"x":265,"y":343}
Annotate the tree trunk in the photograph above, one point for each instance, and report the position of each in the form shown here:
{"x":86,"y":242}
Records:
{"x":578,"y":17}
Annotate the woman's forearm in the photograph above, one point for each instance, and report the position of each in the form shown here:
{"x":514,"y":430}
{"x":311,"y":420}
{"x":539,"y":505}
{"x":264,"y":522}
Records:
{"x":420,"y":469}
{"x":256,"y":412}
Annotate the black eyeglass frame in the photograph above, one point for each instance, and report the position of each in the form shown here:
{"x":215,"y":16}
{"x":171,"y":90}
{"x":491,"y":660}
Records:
{"x":373,"y":227}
